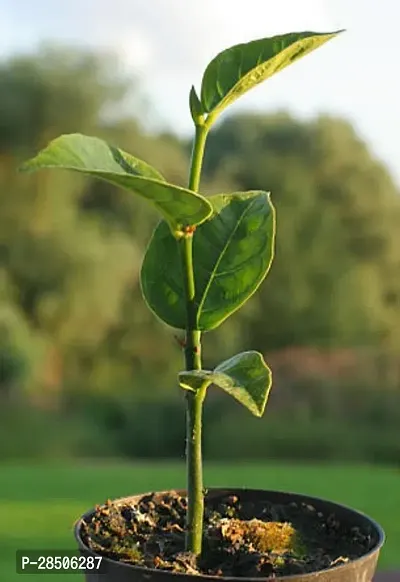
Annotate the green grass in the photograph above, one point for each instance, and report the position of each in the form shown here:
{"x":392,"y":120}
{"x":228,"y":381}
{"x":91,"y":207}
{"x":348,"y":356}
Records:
{"x":38,"y":504}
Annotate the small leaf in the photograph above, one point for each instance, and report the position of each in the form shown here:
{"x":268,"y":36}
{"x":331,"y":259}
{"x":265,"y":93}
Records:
{"x":232,"y":254}
{"x":195,"y":380}
{"x":94,"y":157}
{"x":238,"y":69}
{"x":195,"y":106}
{"x":246,"y":377}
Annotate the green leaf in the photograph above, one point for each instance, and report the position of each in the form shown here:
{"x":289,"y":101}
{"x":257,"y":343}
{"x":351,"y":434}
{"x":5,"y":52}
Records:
{"x":238,"y":69}
{"x":94,"y":157}
{"x":232,"y":254}
{"x":195,"y":380}
{"x":195,"y":106}
{"x":246,"y":377}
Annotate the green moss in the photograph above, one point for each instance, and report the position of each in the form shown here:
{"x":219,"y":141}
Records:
{"x":265,"y":537}
{"x":128,"y":553}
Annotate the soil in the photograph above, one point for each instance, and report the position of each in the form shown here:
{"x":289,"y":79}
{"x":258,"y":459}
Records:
{"x":241,"y":538}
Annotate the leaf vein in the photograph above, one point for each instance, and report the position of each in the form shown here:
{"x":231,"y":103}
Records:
{"x":219,"y":259}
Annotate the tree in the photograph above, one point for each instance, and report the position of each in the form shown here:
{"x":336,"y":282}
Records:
{"x":57,"y":90}
{"x":68,"y":274}
{"x":336,"y":245}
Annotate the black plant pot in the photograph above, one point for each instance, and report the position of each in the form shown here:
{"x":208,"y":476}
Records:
{"x":360,"y":570}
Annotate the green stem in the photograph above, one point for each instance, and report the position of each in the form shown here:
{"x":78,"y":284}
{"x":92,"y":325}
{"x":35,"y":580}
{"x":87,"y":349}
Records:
{"x":194,"y":401}
{"x":195,"y":509}
{"x":197,"y":157}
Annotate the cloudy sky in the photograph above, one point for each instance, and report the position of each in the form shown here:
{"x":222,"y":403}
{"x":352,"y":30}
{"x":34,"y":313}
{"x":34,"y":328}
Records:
{"x":169,"y":43}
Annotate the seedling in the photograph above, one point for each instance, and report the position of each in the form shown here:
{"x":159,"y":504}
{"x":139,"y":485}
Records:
{"x":207,"y":256}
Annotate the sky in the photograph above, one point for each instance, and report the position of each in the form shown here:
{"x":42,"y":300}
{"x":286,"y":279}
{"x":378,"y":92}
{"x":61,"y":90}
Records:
{"x":168,"y":43}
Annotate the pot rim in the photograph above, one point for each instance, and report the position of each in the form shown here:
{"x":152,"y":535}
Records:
{"x":231,"y":490}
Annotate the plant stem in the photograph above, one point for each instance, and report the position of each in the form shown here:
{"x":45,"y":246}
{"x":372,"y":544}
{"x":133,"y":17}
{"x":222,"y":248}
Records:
{"x":195,"y":509}
{"x":197,"y":157}
{"x":194,"y":400}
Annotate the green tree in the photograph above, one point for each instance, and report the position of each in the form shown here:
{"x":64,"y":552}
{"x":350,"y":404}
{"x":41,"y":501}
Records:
{"x":69,"y":274}
{"x":56,"y":90}
{"x":334,"y":281}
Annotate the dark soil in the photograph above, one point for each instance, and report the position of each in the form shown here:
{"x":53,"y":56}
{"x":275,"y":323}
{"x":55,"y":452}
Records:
{"x":241,"y":538}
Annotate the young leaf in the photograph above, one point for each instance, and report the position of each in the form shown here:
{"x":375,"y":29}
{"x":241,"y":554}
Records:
{"x":246,"y":377}
{"x":238,"y":69}
{"x":94,"y":157}
{"x":232,"y":254}
{"x":195,"y":380}
{"x":195,"y":106}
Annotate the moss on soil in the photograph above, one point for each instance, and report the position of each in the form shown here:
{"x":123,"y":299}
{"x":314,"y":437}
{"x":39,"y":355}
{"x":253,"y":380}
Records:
{"x":241,"y":537}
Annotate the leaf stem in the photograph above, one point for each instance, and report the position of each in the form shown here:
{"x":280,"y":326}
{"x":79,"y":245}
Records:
{"x":194,"y":400}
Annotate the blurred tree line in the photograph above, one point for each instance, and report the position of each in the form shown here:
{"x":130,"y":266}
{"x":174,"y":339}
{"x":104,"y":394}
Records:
{"x":81,"y":357}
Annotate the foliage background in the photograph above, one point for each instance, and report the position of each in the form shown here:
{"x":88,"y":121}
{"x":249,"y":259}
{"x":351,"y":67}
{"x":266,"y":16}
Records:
{"x":82,"y":359}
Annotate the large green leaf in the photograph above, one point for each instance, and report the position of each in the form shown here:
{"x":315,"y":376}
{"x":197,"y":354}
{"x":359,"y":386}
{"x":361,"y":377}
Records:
{"x":232,"y":253}
{"x":94,"y":157}
{"x":246,"y":377}
{"x":236,"y":70}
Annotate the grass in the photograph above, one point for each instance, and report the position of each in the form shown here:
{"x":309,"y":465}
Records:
{"x":38,"y":504}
